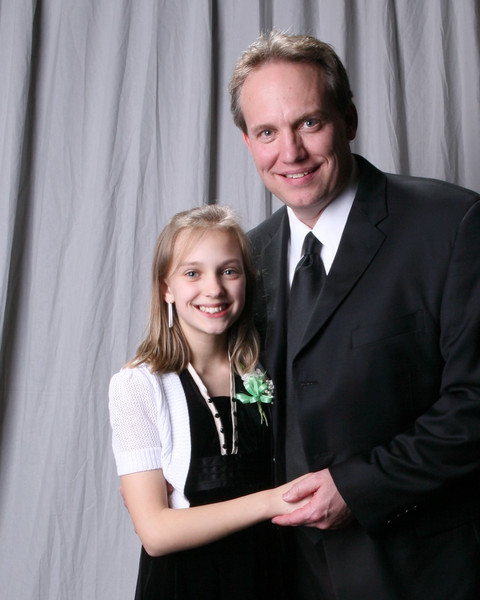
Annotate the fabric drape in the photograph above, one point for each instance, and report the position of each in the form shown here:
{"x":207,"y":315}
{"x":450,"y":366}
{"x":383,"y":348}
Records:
{"x":114,"y":115}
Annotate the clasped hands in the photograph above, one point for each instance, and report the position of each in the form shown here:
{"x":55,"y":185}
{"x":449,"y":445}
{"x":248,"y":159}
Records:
{"x":326,"y":509}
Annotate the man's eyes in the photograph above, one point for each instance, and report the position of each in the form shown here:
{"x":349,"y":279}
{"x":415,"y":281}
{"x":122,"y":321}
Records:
{"x":309,"y":123}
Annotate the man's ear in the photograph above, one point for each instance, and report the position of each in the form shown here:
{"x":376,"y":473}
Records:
{"x":351,"y":119}
{"x":246,"y":139}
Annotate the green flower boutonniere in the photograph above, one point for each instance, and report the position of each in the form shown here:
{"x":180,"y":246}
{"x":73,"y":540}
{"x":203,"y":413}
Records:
{"x":260,"y":389}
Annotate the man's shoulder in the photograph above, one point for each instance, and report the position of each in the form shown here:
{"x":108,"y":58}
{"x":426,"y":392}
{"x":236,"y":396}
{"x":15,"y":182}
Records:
{"x":267,"y":228}
{"x":436,"y":188}
{"x":430,"y":189}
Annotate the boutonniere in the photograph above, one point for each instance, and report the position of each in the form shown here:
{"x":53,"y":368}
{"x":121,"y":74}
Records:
{"x":260,"y":390}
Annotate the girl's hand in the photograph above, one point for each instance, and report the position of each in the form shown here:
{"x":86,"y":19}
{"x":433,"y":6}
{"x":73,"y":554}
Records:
{"x":283,"y":507}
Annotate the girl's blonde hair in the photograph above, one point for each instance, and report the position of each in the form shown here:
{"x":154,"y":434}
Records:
{"x":165,"y":349}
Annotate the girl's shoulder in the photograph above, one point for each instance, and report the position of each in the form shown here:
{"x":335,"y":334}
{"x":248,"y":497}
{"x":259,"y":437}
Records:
{"x":141,"y":383}
{"x":131,"y":378}
{"x":135,"y":383}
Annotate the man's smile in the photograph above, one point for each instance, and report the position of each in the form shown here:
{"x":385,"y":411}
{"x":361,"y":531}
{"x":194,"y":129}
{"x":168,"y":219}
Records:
{"x":298,"y":175}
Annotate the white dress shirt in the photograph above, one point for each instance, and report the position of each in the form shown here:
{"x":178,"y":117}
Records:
{"x":328,"y":229}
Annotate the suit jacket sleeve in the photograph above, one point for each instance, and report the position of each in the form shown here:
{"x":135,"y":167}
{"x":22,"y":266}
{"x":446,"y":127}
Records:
{"x":434,"y":465}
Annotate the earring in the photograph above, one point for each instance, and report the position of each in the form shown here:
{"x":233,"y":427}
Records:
{"x":170,"y":315}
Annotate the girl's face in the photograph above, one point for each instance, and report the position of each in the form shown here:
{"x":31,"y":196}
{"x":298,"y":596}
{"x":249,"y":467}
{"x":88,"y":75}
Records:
{"x":207,"y":283}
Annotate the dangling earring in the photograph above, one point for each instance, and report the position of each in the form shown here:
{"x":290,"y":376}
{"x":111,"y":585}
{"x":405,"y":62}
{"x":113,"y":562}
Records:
{"x":170,"y":315}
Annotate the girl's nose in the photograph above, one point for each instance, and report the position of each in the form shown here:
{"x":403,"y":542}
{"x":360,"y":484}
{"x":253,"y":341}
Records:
{"x":213,"y":286}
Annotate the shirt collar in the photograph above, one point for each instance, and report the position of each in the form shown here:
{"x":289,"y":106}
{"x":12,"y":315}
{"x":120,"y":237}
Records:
{"x":328,"y":229}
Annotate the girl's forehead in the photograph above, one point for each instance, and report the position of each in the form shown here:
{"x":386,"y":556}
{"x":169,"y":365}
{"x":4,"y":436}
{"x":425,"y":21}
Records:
{"x":187,"y":240}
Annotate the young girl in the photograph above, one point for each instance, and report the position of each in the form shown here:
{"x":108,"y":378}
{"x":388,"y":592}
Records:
{"x":175,"y":419}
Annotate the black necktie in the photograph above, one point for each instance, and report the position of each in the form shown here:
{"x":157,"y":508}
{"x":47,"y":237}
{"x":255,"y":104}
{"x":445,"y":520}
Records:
{"x":306,"y":286}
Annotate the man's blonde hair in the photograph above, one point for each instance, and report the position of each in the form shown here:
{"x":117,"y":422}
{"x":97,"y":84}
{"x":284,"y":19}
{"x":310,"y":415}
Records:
{"x":278,"y":46}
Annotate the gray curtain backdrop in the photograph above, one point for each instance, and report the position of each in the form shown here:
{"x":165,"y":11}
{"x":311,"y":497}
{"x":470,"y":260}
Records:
{"x":114,"y":115}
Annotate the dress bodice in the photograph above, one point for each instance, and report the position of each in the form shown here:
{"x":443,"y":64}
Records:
{"x":213,"y":477}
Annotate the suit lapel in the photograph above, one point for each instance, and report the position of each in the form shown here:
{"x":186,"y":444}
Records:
{"x":271,"y":246}
{"x":360,"y":242}
{"x":275,"y":283}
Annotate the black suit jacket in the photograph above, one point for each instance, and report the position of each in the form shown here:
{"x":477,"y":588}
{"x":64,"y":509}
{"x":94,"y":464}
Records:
{"x":387,"y":375}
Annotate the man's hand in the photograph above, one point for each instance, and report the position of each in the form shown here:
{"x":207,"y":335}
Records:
{"x":326,"y":509}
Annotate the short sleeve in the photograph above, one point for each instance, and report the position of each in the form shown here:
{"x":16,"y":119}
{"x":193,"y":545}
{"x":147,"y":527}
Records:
{"x":134,"y":401}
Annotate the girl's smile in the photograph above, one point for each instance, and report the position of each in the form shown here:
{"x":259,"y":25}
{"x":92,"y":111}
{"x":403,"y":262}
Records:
{"x":213,"y":310}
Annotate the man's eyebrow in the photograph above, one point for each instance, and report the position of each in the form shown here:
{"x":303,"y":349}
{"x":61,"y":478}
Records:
{"x":260,"y":127}
{"x":318,"y":113}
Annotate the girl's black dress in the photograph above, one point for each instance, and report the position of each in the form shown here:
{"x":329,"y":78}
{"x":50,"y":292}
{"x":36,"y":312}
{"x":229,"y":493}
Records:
{"x":242,"y":566}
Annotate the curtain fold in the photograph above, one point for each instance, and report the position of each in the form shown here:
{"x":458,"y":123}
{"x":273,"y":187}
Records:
{"x":114,"y":115}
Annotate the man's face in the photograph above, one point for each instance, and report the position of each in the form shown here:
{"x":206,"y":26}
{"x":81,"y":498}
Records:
{"x":298,"y":140}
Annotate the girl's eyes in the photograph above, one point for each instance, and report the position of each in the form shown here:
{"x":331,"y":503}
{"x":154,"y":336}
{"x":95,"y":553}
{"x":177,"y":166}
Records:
{"x":229,"y":272}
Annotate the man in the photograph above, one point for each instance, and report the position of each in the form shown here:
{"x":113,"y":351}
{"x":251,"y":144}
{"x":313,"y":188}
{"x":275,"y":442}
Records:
{"x":378,"y":376}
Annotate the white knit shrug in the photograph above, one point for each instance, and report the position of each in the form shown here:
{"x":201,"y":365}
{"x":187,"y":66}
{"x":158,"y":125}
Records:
{"x":150,"y":426}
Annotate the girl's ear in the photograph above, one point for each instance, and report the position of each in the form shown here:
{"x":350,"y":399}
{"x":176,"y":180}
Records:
{"x":166,"y":292}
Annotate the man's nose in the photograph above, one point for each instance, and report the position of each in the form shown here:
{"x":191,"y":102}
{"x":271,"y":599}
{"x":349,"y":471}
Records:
{"x":292,"y":147}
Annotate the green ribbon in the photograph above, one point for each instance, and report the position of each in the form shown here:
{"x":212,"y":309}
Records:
{"x":259,"y":392}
